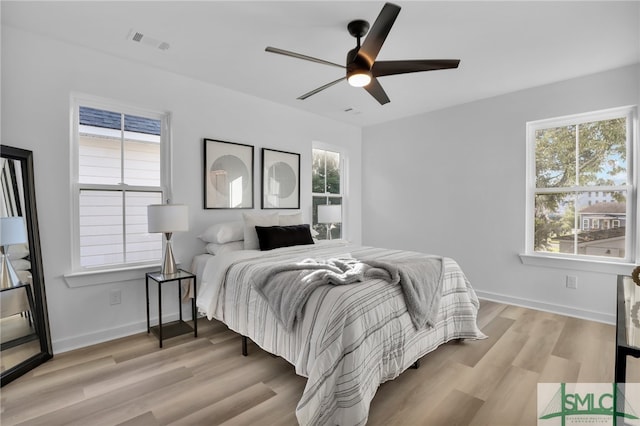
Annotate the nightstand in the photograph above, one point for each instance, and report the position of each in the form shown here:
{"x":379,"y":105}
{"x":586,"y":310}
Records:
{"x":174,"y":328}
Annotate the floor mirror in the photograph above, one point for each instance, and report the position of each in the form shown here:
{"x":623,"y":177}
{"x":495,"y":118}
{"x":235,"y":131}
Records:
{"x":25,"y":340}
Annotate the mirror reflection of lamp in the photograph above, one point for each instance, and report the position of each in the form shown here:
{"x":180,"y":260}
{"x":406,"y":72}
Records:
{"x":330,"y":214}
{"x":12,"y":231}
{"x":166,"y":219}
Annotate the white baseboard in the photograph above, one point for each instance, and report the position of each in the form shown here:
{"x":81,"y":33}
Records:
{"x":81,"y":341}
{"x":549,"y":307}
{"x":76,"y":342}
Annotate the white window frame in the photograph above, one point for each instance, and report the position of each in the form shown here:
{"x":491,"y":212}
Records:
{"x":583,"y":262}
{"x":343,"y":182}
{"x":80,"y":276}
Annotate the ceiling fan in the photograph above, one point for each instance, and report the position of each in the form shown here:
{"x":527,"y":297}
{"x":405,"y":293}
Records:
{"x":362,"y":69}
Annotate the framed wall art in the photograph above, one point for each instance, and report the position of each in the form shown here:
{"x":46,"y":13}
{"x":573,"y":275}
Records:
{"x":228,"y":175}
{"x":280,"y":179}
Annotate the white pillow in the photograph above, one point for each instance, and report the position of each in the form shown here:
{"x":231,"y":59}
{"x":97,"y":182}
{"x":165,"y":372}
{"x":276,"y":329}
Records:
{"x":290,"y":219}
{"x":251,"y":220}
{"x":217,"y":249}
{"x":18,"y":251}
{"x":224,"y":232}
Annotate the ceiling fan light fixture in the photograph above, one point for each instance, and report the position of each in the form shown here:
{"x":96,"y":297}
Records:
{"x":359,"y":78}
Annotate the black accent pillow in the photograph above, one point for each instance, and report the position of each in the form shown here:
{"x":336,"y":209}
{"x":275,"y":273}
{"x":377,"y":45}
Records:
{"x":272,"y":237}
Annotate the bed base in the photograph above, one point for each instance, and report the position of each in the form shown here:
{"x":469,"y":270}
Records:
{"x":245,"y":352}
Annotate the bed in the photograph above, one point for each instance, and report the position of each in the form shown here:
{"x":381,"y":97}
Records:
{"x":349,"y":338}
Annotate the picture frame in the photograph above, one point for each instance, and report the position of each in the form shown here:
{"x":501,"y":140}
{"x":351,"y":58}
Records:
{"x":280,"y":179}
{"x":227,"y":175}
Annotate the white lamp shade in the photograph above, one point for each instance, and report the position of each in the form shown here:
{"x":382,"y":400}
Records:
{"x":12,"y":231}
{"x":330,"y":213}
{"x":167,"y":218}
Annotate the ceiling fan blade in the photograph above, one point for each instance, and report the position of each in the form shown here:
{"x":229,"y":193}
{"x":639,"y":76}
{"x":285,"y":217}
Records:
{"x":375,"y":89}
{"x":381,"y":68}
{"x":321,"y":88}
{"x":300,"y":56}
{"x":378,"y":32}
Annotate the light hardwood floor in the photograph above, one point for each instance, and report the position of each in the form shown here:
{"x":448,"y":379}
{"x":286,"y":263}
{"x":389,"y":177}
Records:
{"x":206,"y":381}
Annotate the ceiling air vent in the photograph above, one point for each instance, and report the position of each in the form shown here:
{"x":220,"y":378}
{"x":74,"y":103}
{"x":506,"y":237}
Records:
{"x":139,"y":37}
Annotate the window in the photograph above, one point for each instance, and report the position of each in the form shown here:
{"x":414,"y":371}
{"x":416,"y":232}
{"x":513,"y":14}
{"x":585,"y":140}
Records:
{"x":119,"y":169}
{"x":569,"y":159}
{"x":327,"y":190}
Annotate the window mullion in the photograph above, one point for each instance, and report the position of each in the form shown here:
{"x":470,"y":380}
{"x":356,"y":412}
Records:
{"x":577,"y":153}
{"x":605,"y":188}
{"x":324,"y":162}
{"x":575,"y":223}
{"x":124,"y":225}
{"x":123,"y":189}
{"x":122,"y":148}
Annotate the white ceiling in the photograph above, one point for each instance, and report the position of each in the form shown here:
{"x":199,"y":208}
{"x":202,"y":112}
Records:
{"x":503,"y":46}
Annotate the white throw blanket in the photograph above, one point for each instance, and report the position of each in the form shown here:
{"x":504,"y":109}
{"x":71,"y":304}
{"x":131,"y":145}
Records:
{"x":287,"y":287}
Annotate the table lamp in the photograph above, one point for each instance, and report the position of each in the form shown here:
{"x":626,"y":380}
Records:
{"x":166,"y":219}
{"x":12,"y":231}
{"x":329,"y":214}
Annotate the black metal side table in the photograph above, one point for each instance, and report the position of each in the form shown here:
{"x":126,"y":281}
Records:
{"x":174,"y":328}
{"x":628,"y":325}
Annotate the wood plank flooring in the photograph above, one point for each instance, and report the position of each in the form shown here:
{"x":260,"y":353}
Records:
{"x":206,"y":381}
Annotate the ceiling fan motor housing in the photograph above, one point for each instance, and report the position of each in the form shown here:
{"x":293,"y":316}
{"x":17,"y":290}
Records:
{"x":357,"y":64}
{"x":358,"y":60}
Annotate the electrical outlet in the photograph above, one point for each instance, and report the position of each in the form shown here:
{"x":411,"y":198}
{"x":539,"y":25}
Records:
{"x":572,"y":282}
{"x":115,"y":297}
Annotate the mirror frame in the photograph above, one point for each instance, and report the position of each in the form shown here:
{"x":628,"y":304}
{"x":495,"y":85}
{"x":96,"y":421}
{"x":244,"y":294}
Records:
{"x":40,"y":314}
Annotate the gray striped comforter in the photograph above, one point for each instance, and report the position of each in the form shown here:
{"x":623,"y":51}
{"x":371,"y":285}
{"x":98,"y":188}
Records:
{"x":351,"y":338}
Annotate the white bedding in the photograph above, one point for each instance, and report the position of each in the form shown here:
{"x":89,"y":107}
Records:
{"x":345,"y":352}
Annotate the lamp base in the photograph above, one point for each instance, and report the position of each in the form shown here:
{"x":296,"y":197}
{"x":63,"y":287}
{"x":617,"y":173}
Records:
{"x":168,"y":261}
{"x":329,"y":228}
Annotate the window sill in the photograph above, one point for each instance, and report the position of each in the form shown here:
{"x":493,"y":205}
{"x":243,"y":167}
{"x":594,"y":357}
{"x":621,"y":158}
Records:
{"x":108,"y":276}
{"x":617,"y":268}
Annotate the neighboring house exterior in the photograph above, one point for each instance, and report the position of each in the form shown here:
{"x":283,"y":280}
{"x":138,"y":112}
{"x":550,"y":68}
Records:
{"x":602,"y":231}
{"x":606,"y":215}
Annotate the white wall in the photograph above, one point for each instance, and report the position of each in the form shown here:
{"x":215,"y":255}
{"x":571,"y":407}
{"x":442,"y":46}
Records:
{"x":452,"y":182}
{"x":38,"y":76}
